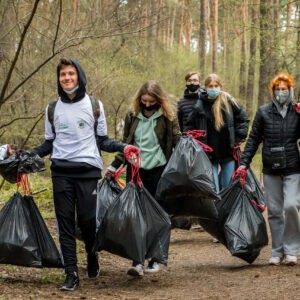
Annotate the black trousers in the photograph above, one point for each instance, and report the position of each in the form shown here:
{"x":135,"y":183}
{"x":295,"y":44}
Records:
{"x":75,"y":196}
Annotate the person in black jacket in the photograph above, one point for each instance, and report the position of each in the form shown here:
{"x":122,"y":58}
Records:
{"x":277,"y":127}
{"x":192,"y":94}
{"x":226,"y":125}
{"x":76,"y":165}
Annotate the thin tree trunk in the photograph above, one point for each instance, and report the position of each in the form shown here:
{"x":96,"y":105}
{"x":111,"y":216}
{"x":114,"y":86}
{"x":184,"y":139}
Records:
{"x":252,"y":58}
{"x":202,"y":36}
{"x":265,"y":70}
{"x":297,"y":73}
{"x":214,"y":16}
{"x":243,"y":66}
{"x":288,"y":20}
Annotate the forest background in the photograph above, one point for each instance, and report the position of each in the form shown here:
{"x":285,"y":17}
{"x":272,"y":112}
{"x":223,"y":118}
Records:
{"x":121,"y":44}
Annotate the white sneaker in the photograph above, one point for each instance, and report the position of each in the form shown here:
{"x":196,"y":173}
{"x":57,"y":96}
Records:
{"x":290,"y":260}
{"x":214,"y":240}
{"x":136,"y":271}
{"x":153,"y":267}
{"x":274,"y":261}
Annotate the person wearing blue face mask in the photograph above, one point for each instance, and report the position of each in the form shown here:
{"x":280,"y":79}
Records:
{"x":277,"y":126}
{"x":226,"y":125}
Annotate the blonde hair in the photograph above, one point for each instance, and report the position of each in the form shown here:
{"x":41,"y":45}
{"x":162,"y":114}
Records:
{"x":154,"y":89}
{"x":222,"y":103}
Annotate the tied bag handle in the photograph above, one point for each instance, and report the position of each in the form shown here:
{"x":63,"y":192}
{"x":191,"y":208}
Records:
{"x":199,"y":133}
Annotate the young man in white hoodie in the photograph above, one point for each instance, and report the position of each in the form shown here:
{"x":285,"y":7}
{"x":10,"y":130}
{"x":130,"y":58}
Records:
{"x":73,"y":138}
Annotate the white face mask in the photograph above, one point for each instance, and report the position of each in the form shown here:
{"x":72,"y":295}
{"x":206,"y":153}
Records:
{"x":72,"y":91}
{"x":282,"y":96}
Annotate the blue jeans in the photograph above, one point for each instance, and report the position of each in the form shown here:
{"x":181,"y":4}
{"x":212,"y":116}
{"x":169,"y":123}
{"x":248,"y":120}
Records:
{"x":227,"y":169}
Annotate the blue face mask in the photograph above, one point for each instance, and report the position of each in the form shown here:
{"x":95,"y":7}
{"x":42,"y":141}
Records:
{"x":213,"y":93}
{"x":72,"y":91}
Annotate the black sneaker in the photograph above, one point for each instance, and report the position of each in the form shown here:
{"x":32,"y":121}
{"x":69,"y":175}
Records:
{"x":93,"y":269}
{"x":71,"y":283}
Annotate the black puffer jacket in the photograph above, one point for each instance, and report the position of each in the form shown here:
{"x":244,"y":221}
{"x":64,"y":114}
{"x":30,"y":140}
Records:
{"x":270,"y":128}
{"x":186,"y":104}
{"x":236,"y":121}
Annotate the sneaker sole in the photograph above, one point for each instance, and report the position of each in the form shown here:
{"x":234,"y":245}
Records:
{"x":65,"y":289}
{"x":274,"y":264}
{"x":290,"y":263}
{"x":133,"y":272}
{"x":151,"y":270}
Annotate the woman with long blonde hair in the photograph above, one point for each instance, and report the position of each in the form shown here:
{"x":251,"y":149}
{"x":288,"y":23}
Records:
{"x":225,"y":123}
{"x":151,"y":127}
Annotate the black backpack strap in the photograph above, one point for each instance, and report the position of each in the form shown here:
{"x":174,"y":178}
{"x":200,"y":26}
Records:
{"x":96,"y":111}
{"x":51,"y":108}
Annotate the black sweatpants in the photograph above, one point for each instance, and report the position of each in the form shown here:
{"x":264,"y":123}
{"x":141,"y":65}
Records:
{"x":75,"y":195}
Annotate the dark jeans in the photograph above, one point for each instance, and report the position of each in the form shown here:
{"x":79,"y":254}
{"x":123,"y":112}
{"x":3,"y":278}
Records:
{"x":75,"y":195}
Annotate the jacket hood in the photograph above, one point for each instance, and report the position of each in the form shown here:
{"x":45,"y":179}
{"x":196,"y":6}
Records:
{"x":80,"y":93}
{"x":156,"y":115}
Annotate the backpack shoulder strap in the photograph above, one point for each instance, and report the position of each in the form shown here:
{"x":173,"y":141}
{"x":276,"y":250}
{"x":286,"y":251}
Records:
{"x":51,"y":108}
{"x":96,"y":111}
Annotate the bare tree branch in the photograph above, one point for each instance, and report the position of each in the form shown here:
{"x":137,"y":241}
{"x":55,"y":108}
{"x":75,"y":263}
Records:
{"x":57,"y":27}
{"x":17,"y":119}
{"x":31,"y":130}
{"x":26,"y":27}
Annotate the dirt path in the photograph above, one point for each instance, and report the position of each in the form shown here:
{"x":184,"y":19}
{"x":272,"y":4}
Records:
{"x":198,"y":269}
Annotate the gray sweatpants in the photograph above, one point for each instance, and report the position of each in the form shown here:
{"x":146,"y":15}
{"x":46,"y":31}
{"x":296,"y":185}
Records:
{"x":283,"y":204}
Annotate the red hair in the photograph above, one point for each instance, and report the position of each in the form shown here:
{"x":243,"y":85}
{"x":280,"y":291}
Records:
{"x":282,"y":76}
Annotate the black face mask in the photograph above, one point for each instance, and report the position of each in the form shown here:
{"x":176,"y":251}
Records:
{"x":155,"y":106}
{"x":192,"y":87}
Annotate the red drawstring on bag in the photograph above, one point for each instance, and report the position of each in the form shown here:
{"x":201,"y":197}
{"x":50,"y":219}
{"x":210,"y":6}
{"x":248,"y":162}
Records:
{"x":241,"y":174}
{"x":22,"y":180}
{"x":236,"y":151}
{"x":199,"y":133}
{"x":116,"y":176}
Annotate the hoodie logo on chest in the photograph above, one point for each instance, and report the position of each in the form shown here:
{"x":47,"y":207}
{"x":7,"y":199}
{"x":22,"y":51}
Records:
{"x":63,"y":126}
{"x":81,"y":124}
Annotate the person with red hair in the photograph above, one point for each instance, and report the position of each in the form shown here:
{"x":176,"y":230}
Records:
{"x":277,"y":127}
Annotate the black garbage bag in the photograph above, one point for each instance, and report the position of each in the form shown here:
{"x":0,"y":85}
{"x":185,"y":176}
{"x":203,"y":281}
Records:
{"x":107,"y":191}
{"x":9,"y":168}
{"x":158,"y":227}
{"x":254,"y":188}
{"x":123,"y":230}
{"x":184,"y":223}
{"x":22,"y":162}
{"x":30,"y":163}
{"x":186,"y":187}
{"x":24,"y":237}
{"x":224,"y":206}
{"x":18,"y":245}
{"x":50,"y":256}
{"x":245,"y":229}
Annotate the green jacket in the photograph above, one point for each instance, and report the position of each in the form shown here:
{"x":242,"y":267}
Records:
{"x":167,"y":133}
